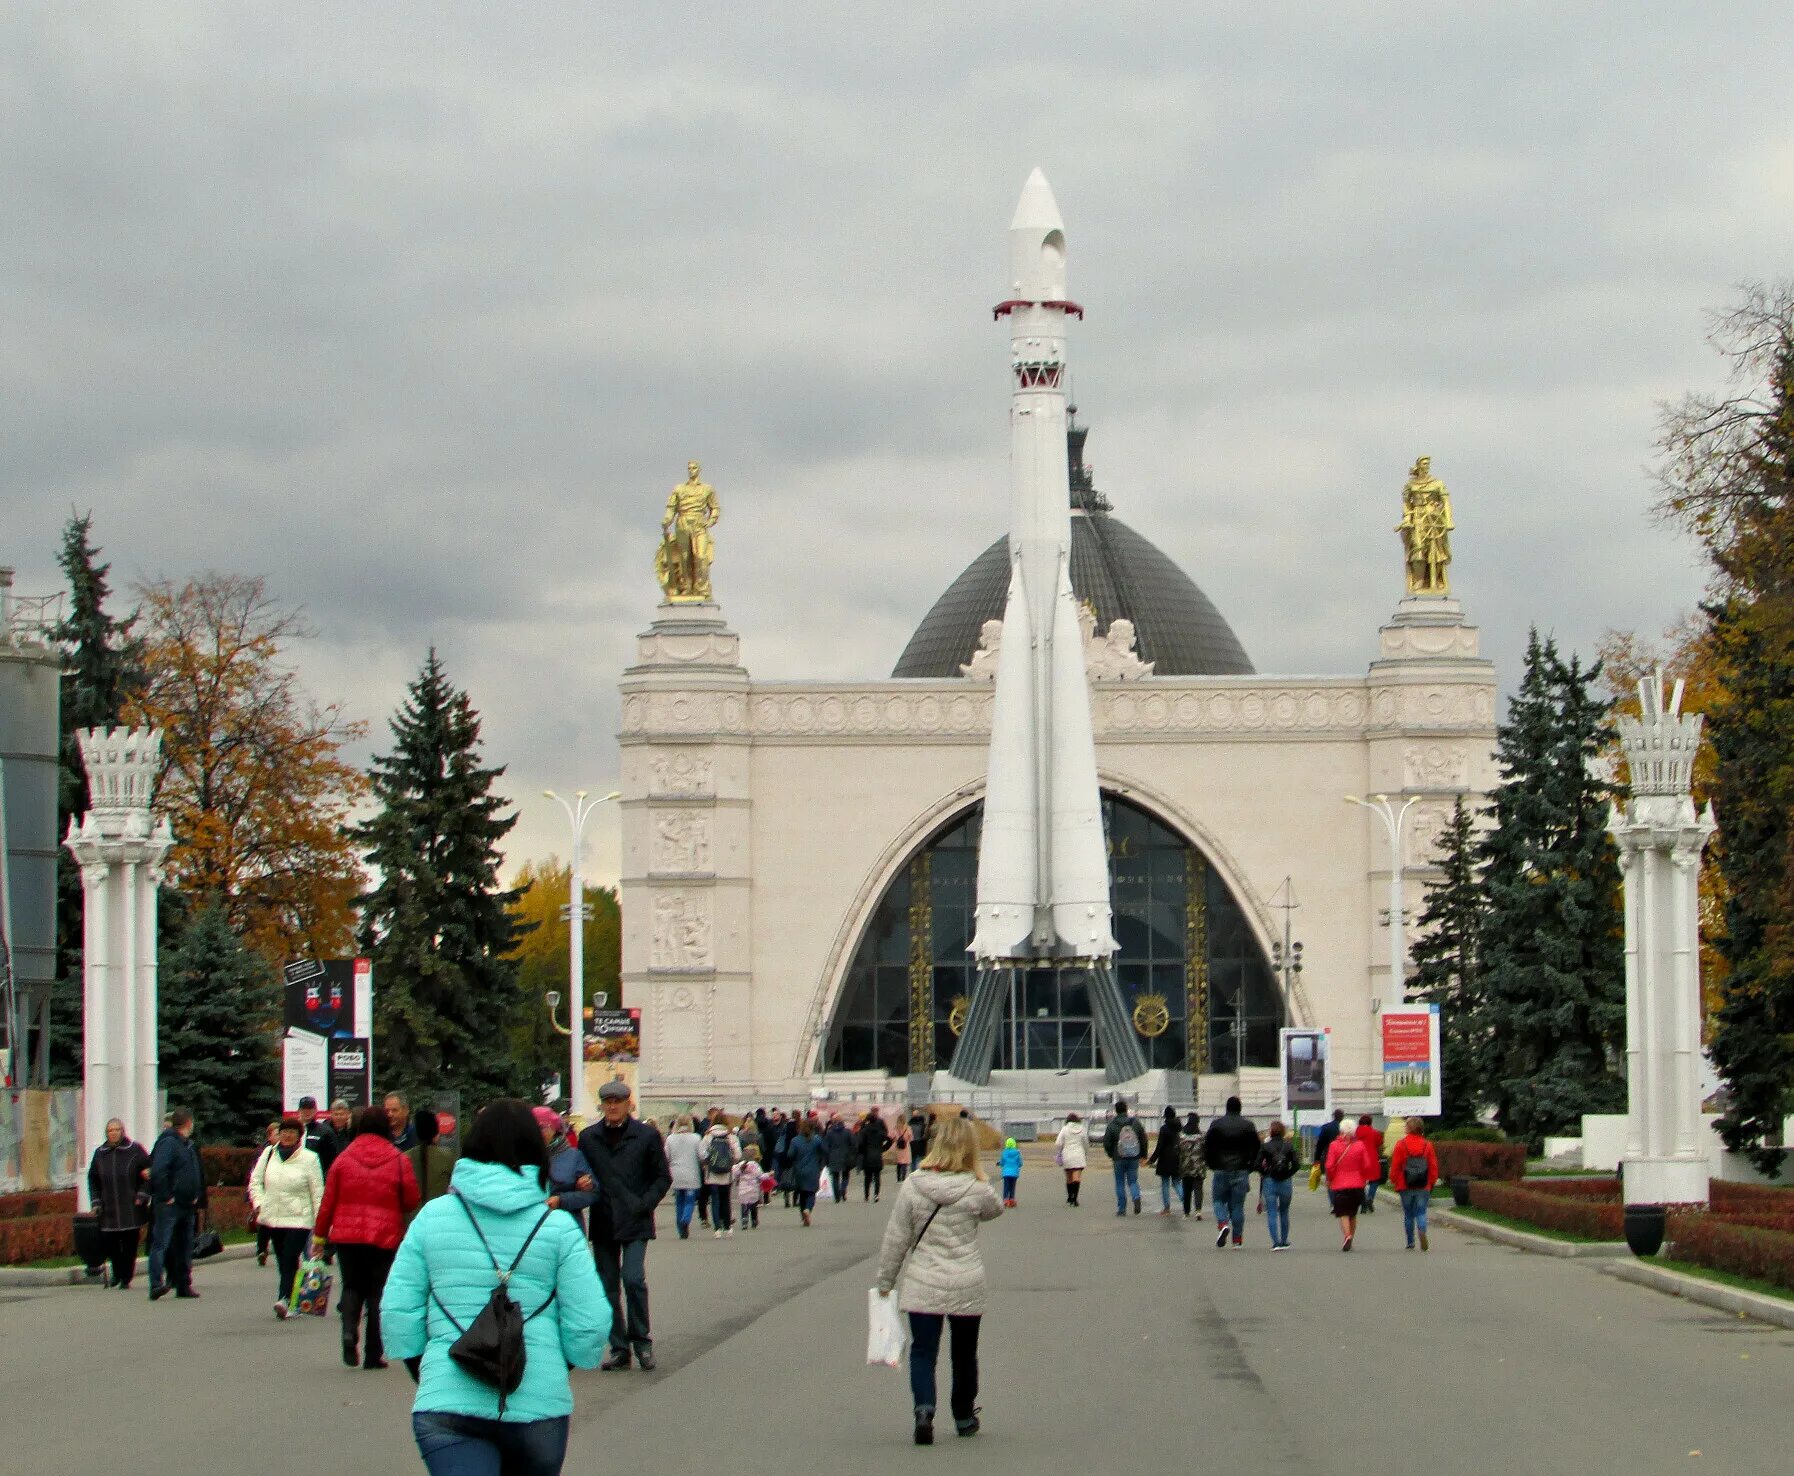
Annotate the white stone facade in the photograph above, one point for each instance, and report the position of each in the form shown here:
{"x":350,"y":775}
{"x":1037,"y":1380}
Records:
{"x":762,"y":821}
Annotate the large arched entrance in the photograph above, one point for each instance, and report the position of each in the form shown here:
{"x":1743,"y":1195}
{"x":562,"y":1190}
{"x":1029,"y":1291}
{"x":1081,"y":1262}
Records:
{"x":1189,"y":967}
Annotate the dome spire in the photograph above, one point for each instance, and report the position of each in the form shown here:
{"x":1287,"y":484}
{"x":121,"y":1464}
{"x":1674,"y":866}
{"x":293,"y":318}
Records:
{"x":1084,"y":496}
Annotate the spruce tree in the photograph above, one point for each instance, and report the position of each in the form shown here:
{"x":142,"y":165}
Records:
{"x":1552,"y":978}
{"x":1447,"y":970}
{"x":102,"y":670}
{"x":439,"y":925}
{"x":209,"y":987}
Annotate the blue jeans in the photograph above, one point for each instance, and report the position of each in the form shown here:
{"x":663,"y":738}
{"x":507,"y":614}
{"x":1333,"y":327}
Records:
{"x":1127,"y":1181}
{"x":1370,"y":1192}
{"x":171,"y":1248}
{"x":1166,"y":1187}
{"x":925,"y":1348}
{"x":1414,"y":1203}
{"x":464,"y":1445}
{"x":1277,"y":1194}
{"x":1230,"y":1199}
{"x":684,"y":1202}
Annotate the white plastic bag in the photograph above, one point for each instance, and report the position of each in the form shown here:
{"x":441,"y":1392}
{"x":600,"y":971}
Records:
{"x":886,"y":1336}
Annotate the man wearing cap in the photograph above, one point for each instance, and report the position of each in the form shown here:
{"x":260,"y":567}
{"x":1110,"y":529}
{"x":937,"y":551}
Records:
{"x":628,"y":1162}
{"x":317,"y":1135}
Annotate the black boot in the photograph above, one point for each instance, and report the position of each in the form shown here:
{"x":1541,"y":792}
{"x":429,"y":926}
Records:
{"x":924,"y":1425}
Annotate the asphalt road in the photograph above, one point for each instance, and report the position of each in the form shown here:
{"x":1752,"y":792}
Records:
{"x":1111,"y":1344}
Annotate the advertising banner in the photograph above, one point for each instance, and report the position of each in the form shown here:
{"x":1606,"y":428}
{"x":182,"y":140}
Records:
{"x":613,"y":1048}
{"x":1411,"y":1061}
{"x":351,"y":1073}
{"x":1307,"y":1082}
{"x":329,"y":1010}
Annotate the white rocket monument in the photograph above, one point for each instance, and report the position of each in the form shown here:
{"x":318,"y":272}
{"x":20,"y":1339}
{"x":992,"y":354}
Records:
{"x":1043,"y":866}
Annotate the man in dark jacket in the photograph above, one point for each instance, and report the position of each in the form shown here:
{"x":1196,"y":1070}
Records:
{"x":317,"y":1134}
{"x":1125,"y":1143}
{"x":176,"y":1188}
{"x":1327,"y":1134}
{"x":1231,"y":1151}
{"x":629,"y":1164}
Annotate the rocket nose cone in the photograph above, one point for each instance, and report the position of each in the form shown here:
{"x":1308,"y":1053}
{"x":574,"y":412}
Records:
{"x":1037,"y":209}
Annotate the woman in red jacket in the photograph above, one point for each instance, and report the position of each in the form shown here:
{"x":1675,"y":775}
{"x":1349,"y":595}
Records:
{"x":1414,"y":1169}
{"x":1349,"y":1168}
{"x":370,"y":1191}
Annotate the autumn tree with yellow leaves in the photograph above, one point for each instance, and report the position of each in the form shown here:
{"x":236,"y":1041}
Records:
{"x":541,"y":955}
{"x":254,"y":782}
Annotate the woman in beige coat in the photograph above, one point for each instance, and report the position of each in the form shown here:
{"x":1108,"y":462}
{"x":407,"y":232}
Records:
{"x":932,"y":1241}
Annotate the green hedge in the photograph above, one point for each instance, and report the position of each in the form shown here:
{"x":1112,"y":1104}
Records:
{"x":1473,"y":1134}
{"x":1566,"y":1214}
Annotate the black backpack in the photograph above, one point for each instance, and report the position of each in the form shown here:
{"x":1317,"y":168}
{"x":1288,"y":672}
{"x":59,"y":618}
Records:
{"x":491,"y":1348}
{"x":1414,"y":1171}
{"x":717,"y":1157}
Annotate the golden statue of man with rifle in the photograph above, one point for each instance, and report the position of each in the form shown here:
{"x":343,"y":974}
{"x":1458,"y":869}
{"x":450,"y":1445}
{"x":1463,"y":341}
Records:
{"x":1426,"y":530}
{"x":682,"y":562}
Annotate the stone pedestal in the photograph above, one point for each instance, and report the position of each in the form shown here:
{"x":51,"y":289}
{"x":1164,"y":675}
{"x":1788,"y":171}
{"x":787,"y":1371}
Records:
{"x":686,"y":874}
{"x":1660,"y":838}
{"x":119,"y":844}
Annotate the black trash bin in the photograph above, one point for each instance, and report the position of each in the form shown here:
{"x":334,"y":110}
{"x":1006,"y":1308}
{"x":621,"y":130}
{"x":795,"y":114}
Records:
{"x":1460,"y":1190}
{"x":88,"y":1245}
{"x":1644,"y":1228}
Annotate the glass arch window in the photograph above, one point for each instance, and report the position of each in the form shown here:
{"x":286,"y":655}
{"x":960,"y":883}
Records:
{"x":1184,"y":944}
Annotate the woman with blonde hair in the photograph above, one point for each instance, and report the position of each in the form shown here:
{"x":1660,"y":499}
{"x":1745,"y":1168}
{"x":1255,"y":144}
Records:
{"x":932,"y":1241}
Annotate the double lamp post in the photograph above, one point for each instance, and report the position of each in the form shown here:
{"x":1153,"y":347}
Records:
{"x":579,"y":810}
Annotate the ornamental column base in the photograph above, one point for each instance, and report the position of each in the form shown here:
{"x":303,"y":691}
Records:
{"x":1677,"y":1180}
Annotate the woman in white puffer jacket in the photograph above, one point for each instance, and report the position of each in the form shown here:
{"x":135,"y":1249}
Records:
{"x":1074,"y":1153}
{"x":286,"y":1189}
{"x":932,"y":1241}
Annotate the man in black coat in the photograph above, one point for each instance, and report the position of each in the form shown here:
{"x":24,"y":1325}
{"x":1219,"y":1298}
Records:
{"x":1230,"y":1148}
{"x":177,"y":1187}
{"x":629,"y":1162}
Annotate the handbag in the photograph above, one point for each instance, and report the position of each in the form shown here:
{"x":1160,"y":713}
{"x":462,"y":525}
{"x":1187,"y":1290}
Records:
{"x":206,"y":1241}
{"x":886,"y":1336}
{"x":311,"y":1288}
{"x":1314,"y":1178}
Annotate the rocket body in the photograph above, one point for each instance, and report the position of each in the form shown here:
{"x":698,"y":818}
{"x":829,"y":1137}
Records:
{"x":1043,"y":872}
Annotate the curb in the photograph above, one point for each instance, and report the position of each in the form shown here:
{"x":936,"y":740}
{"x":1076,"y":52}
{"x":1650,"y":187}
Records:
{"x":77,"y":1276}
{"x":1539,"y":1245}
{"x":1707,"y":1293}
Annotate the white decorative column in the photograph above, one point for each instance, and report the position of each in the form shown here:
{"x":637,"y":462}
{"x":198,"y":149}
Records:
{"x":119,"y":844}
{"x":1660,"y":840}
{"x":685,"y":878}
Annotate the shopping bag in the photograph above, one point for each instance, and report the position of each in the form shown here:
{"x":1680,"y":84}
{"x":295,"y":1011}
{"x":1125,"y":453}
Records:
{"x":886,"y":1336}
{"x":1314,"y":1178}
{"x":825,"y":1190}
{"x":311,"y":1288}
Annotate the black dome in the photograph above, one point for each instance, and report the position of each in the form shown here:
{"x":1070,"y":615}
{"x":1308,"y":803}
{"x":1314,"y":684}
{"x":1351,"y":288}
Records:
{"x":1125,"y":577}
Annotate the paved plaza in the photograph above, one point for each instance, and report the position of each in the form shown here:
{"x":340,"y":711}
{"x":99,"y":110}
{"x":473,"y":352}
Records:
{"x":1112,"y":1344}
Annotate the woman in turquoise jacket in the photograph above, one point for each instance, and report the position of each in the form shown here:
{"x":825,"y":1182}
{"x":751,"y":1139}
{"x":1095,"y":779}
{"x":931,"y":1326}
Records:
{"x":444,"y":1275}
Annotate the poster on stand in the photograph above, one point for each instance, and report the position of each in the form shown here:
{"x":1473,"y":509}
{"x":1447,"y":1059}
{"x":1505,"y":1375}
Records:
{"x":351,"y":1073}
{"x":328,"y":1011}
{"x":305,"y":1069}
{"x":1410,"y":1036}
{"x":613,"y":1048}
{"x":1307,"y":1082}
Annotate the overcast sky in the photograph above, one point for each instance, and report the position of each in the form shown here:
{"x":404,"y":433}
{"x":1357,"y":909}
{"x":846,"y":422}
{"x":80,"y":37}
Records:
{"x":419,"y":309}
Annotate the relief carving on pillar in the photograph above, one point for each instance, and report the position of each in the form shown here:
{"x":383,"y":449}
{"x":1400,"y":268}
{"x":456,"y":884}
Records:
{"x":1434,"y":765}
{"x":681,"y":933}
{"x":681,"y":842}
{"x":681,"y":773}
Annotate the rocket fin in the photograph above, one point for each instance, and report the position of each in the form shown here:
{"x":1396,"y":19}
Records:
{"x":1078,"y":890}
{"x":1008,"y":867}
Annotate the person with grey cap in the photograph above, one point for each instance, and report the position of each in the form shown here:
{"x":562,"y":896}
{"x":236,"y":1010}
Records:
{"x":316,"y":1134}
{"x":629,"y":1164}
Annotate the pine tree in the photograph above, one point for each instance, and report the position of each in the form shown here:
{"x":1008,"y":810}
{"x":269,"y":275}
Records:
{"x":1447,"y":970}
{"x":1552,"y":976}
{"x":1727,"y":475}
{"x":102,"y":671}
{"x":210,"y":985}
{"x":439,"y":925}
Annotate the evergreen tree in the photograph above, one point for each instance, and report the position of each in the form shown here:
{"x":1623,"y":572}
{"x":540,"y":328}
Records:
{"x":1552,"y":976}
{"x":102,"y":671}
{"x":1447,"y":970}
{"x":210,"y":985}
{"x":439,"y":925}
{"x":1728,"y":476}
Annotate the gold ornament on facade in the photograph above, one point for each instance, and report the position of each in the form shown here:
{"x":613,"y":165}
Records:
{"x":957,"y":1012}
{"x":1152,"y":1015}
{"x":1426,"y":528}
{"x":682,"y":562}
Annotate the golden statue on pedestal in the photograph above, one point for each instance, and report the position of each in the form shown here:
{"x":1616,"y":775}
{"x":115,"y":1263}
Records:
{"x":682,"y":562}
{"x":1426,"y":530}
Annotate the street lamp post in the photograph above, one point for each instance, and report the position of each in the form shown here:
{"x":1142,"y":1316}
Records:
{"x":1392,"y":818}
{"x":578,"y":812}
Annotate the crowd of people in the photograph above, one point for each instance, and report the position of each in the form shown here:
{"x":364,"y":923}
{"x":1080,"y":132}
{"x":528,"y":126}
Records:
{"x":420,"y":1234}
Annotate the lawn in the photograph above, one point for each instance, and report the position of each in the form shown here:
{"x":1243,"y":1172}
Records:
{"x":1725,"y":1278}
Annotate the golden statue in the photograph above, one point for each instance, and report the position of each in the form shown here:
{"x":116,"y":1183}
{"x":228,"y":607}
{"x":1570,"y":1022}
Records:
{"x":1426,"y":530}
{"x":682,"y":562}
